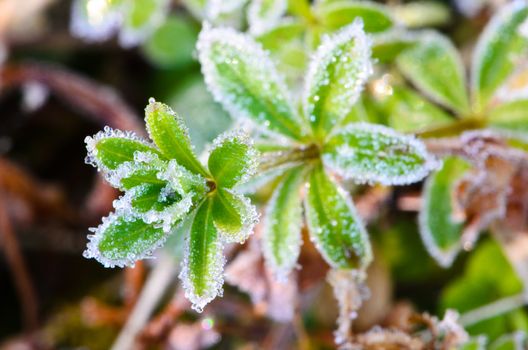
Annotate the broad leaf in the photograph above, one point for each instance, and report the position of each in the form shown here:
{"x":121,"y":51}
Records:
{"x":242,"y":78}
{"x":141,"y":18}
{"x":132,"y":174}
{"x":337,"y":14}
{"x":169,"y":133}
{"x":515,"y":341}
{"x":110,"y":148}
{"x":234,"y":216}
{"x":121,"y":240}
{"x":511,"y":116}
{"x":334,"y":224}
{"x":202,"y":267}
{"x":374,"y":153}
{"x":264,"y":14}
{"x":409,"y":112}
{"x":335,"y":78}
{"x":282,"y":238}
{"x":233,"y":159}
{"x":435,"y":67}
{"x":498,"y":50}
{"x":439,"y":227}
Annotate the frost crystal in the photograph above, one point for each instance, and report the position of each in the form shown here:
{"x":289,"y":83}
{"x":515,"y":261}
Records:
{"x":250,"y":218}
{"x":370,"y":153}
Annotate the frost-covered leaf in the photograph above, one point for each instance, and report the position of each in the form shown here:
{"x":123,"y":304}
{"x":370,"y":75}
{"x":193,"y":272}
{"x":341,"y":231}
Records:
{"x":264,"y":14}
{"x":511,"y":116}
{"x":500,"y":47}
{"x":374,"y":153}
{"x":407,"y":111}
{"x":334,"y":224}
{"x":196,"y":7}
{"x":218,"y":9}
{"x":337,"y":14}
{"x":435,"y":67}
{"x":170,"y":134}
{"x":141,"y":18}
{"x":477,"y":343}
{"x":233,"y":159}
{"x":234,"y":215}
{"x":515,"y":341}
{"x":386,"y":46}
{"x":110,"y":148}
{"x":121,"y":240}
{"x":202,"y":267}
{"x":440,"y":229}
{"x":335,"y":78}
{"x":282,"y":238}
{"x":242,"y":78}
{"x":94,"y":20}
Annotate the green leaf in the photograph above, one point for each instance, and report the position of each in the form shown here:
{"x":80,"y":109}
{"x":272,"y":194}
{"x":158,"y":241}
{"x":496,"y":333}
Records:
{"x":435,"y":67}
{"x":512,"y":116}
{"x":388,"y":45}
{"x":337,"y":14}
{"x":242,"y":77}
{"x":478,"y":343}
{"x":234,"y":215}
{"x":409,"y":112}
{"x":515,"y":341}
{"x":169,"y":133}
{"x":499,"y":49}
{"x":282,"y":238}
{"x":374,"y":153}
{"x":121,"y":240}
{"x":439,"y":228}
{"x":110,"y":148}
{"x":264,"y":14}
{"x":141,"y":19}
{"x":233,"y":159}
{"x":202,"y":267}
{"x":334,"y":225}
{"x":335,"y":78}
{"x":94,"y":25}
{"x":164,"y":49}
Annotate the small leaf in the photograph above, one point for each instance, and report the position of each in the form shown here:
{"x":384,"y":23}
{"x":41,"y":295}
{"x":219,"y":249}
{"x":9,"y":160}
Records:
{"x":512,"y":116}
{"x":264,"y":14}
{"x":435,"y":67}
{"x":282,"y":226}
{"x":110,"y":148}
{"x":335,"y":78}
{"x":409,"y":112}
{"x":121,"y":240}
{"x":337,"y":14}
{"x":234,"y":216}
{"x":374,"y":153}
{"x":141,"y":18}
{"x":514,"y":341}
{"x":169,"y":133}
{"x":477,"y":343}
{"x":94,"y":24}
{"x":233,"y":159}
{"x":386,"y":46}
{"x":334,"y":224}
{"x":202,"y":267}
{"x":440,"y":230}
{"x":242,"y":78}
{"x":499,"y":49}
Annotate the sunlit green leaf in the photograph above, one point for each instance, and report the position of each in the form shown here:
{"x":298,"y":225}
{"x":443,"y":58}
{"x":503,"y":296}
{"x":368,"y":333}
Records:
{"x":282,"y":226}
{"x":234,"y":215}
{"x":141,"y":18}
{"x":334,"y":225}
{"x":335,"y":78}
{"x":121,"y":240}
{"x":242,"y":78}
{"x":439,"y":228}
{"x":202,"y":267}
{"x":233,"y":159}
{"x":169,"y":133}
{"x":499,"y":49}
{"x":337,"y":14}
{"x":435,"y":67}
{"x":511,"y":116}
{"x":374,"y":153}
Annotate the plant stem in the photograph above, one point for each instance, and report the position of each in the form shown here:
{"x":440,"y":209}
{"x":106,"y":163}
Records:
{"x":276,"y":159}
{"x":496,"y":308}
{"x":455,"y":128}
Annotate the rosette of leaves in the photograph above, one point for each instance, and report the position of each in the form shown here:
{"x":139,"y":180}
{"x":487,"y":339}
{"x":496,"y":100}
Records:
{"x":133,"y":20}
{"x":314,"y":150}
{"x":165,"y":185}
{"x":434,"y":66}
